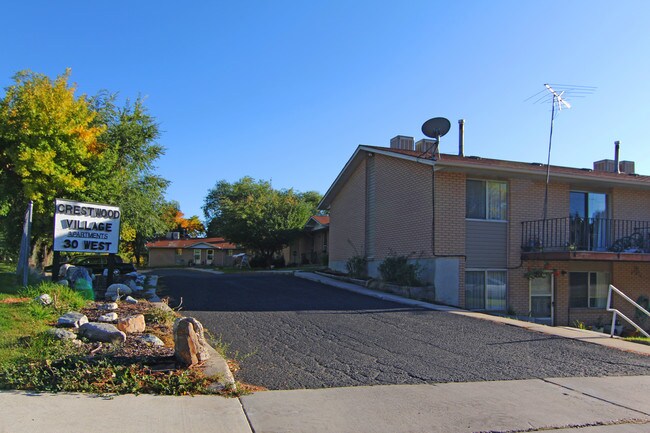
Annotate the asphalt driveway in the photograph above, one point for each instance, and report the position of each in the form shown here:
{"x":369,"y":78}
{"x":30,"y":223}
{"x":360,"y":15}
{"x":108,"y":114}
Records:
{"x":290,"y":333}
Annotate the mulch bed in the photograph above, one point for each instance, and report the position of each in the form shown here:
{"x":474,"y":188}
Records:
{"x":133,"y":350}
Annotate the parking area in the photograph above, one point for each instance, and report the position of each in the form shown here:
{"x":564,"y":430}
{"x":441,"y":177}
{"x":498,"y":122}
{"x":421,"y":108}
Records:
{"x":290,"y":333}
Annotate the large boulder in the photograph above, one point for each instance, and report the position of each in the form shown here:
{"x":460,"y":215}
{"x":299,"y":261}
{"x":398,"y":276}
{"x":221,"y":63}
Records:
{"x":131,"y":324}
{"x":103,"y":332}
{"x":72,"y":319}
{"x":61,"y":334}
{"x":190,"y":347}
{"x":118,"y":289}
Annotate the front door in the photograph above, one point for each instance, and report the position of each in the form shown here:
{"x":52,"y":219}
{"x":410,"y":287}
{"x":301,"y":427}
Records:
{"x":541,"y":299}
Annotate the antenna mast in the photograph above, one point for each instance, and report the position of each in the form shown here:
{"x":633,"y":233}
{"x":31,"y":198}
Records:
{"x":559,"y":101}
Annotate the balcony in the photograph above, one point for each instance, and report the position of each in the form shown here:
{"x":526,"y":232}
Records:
{"x":575,"y":238}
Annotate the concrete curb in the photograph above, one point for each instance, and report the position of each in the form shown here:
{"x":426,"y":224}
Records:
{"x":372,"y":293}
{"x":559,"y":331}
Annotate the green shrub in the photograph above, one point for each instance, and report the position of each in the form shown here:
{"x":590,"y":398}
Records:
{"x":357,"y":266}
{"x":397,"y":269}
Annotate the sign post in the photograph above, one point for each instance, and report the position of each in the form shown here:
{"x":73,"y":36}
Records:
{"x":86,"y":228}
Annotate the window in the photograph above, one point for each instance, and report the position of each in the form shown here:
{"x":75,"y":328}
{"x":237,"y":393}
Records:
{"x":588,"y":289}
{"x":485,"y":290}
{"x":197,"y":256}
{"x":179,"y":251}
{"x":486,"y":200}
{"x":210,"y":255}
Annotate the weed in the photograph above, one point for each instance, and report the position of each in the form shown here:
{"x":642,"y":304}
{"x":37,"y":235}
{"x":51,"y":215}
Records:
{"x":160,"y":316}
{"x":640,"y":340}
{"x":102,"y":376}
{"x":357,"y":266}
{"x":579,"y":324}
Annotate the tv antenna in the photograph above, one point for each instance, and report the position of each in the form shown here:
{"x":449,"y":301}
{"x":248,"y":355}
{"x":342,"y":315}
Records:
{"x":557,"y":94}
{"x":435,"y":128}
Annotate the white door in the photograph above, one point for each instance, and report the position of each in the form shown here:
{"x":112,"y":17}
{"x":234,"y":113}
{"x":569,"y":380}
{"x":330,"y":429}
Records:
{"x":197,"y":257}
{"x":541,"y":298}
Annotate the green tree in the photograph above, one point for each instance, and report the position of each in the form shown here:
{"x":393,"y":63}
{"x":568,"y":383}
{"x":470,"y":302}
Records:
{"x":48,"y":141}
{"x":127,"y":177}
{"x":251,"y":213}
{"x":54,"y":144}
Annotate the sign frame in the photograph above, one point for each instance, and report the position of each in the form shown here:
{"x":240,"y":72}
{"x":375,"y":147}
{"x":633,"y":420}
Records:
{"x":81,"y":227}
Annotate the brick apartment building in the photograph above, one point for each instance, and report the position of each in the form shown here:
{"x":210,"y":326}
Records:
{"x":476,"y":227}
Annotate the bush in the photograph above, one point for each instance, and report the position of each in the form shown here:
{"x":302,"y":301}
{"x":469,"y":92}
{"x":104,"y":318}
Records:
{"x":357,"y":266}
{"x":396,"y":269}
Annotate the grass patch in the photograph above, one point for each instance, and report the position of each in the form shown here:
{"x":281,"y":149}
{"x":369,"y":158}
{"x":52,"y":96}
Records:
{"x":639,"y":340}
{"x":23,"y":320}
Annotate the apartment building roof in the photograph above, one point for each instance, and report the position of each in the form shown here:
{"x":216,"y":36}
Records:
{"x":489,"y":167}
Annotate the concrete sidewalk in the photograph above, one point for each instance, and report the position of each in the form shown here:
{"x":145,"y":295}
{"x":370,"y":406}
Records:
{"x":560,"y":331}
{"x":593,"y":405}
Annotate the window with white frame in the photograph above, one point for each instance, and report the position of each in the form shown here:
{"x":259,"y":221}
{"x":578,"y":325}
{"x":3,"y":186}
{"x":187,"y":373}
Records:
{"x":486,"y":200}
{"x":588,"y":289}
{"x":197,"y":256}
{"x":485,"y":289}
{"x":210,"y":256}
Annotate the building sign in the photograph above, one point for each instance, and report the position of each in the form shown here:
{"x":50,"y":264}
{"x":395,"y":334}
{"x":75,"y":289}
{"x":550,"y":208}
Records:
{"x":86,"y":227}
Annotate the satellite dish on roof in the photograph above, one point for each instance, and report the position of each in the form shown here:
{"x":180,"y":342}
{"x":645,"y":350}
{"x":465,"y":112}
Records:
{"x":436,"y":127}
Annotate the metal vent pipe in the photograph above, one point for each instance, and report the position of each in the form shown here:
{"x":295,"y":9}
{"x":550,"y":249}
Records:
{"x":617,"y":148}
{"x":461,"y":137}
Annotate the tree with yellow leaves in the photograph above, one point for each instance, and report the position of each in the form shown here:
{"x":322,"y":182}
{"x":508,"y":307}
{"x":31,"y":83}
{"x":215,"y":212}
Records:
{"x":48,"y":140}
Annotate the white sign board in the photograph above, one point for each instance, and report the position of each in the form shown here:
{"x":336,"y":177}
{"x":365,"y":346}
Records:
{"x":86,"y":227}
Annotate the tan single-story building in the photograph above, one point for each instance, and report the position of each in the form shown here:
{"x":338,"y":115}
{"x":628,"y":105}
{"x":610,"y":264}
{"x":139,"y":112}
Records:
{"x":311,"y":246}
{"x":192,"y":252}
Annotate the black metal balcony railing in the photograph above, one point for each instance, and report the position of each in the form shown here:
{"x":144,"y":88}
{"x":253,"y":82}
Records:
{"x":586,"y":234}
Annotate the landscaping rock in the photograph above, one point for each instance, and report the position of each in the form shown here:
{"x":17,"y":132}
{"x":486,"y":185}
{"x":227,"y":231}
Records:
{"x":104,"y":332}
{"x":44,"y":299}
{"x":162,"y":306}
{"x":108,"y":317}
{"x":151,"y":340}
{"x":118,"y":289}
{"x":63,"y":283}
{"x":131,"y":300}
{"x":152,"y":281}
{"x":131,"y":324}
{"x":61,"y":334}
{"x":132,"y":285}
{"x":190,"y":347}
{"x":72,"y":319}
{"x":109,"y":306}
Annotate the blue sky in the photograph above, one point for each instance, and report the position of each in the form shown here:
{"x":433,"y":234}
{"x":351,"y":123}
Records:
{"x":286,"y":90}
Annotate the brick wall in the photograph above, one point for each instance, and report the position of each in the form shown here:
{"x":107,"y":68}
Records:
{"x":449,"y":191}
{"x":633,"y":279}
{"x":403,"y":208}
{"x":347,"y":218}
{"x":629,"y":204}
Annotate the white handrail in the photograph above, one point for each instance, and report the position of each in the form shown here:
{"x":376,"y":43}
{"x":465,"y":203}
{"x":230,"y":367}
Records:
{"x":618,"y":313}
